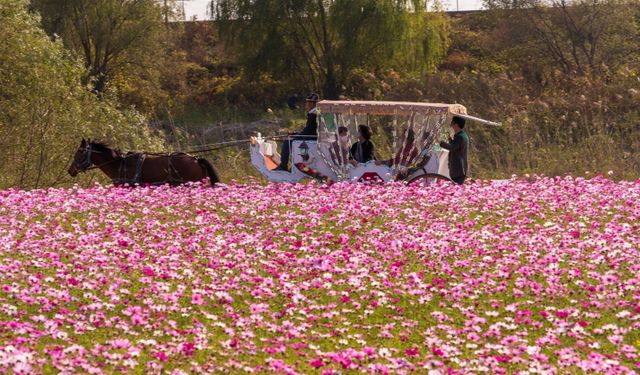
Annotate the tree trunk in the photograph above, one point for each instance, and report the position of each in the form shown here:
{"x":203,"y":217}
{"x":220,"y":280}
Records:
{"x":331,"y":90}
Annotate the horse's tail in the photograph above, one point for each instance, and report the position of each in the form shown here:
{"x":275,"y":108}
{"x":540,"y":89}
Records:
{"x":211,"y":171}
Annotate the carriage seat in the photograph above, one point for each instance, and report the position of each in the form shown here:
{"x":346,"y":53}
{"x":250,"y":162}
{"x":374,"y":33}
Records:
{"x":269,"y":151}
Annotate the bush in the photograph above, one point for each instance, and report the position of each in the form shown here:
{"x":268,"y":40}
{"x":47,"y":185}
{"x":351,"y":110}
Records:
{"x":45,"y":110}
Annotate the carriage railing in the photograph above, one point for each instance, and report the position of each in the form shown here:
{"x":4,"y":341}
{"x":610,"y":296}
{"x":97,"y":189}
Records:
{"x":413,"y":136}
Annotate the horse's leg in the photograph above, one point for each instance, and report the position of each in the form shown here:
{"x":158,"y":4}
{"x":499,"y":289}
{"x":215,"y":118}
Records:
{"x":209,"y":171}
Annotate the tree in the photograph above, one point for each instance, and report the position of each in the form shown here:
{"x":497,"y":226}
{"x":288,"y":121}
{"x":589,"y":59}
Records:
{"x":45,"y":109}
{"x":578,"y":36}
{"x":320,"y":42}
{"x":114,"y":37}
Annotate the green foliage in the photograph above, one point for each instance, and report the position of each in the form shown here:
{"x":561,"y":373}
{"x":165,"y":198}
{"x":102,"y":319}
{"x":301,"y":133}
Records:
{"x":321,"y":43}
{"x":125,"y":45}
{"x":424,"y":44}
{"x":44,"y":108}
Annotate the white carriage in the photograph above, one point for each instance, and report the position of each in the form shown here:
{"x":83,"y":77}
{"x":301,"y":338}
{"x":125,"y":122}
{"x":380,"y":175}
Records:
{"x":413,"y":151}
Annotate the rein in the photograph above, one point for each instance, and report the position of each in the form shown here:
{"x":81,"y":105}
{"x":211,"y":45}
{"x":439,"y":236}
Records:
{"x":88,"y":162}
{"x":98,"y":166}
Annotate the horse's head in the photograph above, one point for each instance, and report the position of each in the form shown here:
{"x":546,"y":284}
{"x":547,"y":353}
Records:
{"x":82,"y":159}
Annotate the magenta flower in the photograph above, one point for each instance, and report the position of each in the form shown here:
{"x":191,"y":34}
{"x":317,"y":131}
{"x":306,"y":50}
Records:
{"x":414,"y":352}
{"x":148,"y":271}
{"x":295,"y":278}
{"x":317,"y":362}
{"x":161,"y":356}
{"x":503,"y":358}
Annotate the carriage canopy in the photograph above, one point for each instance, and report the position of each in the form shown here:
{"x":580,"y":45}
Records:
{"x":404,"y":132}
{"x":388,"y":108}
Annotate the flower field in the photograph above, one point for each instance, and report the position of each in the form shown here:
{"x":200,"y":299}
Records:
{"x":537,"y":276}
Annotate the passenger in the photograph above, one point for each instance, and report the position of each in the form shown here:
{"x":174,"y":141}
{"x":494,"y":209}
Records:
{"x":340,"y":147}
{"x":457,"y":147}
{"x":362,"y":151}
{"x":310,"y":132}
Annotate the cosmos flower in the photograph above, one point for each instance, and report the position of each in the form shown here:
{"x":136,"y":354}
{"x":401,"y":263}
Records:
{"x":538,"y":273}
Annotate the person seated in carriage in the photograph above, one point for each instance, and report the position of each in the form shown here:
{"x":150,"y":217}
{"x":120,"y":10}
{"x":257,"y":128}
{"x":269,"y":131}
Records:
{"x":362,"y":150}
{"x":309,"y":132}
{"x":340,"y":147}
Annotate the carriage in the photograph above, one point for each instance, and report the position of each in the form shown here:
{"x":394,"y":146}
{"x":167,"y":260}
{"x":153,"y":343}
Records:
{"x":413,"y":152}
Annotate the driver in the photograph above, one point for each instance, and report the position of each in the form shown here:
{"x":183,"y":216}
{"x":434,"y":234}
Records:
{"x":310,"y":131}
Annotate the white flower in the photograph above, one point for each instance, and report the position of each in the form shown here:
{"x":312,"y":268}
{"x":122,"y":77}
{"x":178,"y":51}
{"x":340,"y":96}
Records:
{"x":531,"y":350}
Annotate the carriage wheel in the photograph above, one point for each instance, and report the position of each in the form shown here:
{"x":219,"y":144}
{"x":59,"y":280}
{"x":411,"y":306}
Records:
{"x":430,"y":179}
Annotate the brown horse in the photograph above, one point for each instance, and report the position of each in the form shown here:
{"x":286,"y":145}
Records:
{"x":141,"y":168}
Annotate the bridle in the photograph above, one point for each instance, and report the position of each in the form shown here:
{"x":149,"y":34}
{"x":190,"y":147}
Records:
{"x":86,"y":164}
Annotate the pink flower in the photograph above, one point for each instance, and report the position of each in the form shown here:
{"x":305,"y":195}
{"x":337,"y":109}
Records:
{"x":370,"y":352}
{"x":165,"y":271}
{"x":414,"y":352}
{"x":148,"y":271}
{"x":381,"y":369}
{"x":615,"y":339}
{"x":161,"y":356}
{"x":188,"y":348}
{"x":196,"y":299}
{"x":317,"y":362}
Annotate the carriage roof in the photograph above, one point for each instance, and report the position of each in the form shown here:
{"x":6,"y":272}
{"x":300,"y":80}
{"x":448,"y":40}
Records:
{"x":361,"y":107}
{"x":388,"y":108}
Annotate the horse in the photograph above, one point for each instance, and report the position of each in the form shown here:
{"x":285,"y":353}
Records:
{"x":141,"y":168}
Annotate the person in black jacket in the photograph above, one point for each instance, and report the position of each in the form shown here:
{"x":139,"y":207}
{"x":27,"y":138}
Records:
{"x":362,"y":151}
{"x":457,"y":147}
{"x":310,"y":132}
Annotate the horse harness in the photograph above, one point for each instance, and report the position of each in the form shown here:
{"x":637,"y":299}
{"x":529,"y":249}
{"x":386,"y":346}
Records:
{"x":122,"y":171}
{"x":137,"y":176}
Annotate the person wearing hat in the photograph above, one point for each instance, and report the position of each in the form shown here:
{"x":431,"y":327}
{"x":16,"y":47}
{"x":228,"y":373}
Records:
{"x":310,"y":131}
{"x":457,"y":147}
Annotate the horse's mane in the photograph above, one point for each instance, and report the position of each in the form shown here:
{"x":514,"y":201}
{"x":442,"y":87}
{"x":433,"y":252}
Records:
{"x":102,"y":146}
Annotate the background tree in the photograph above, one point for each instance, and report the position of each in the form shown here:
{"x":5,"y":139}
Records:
{"x":577,"y":37}
{"x":321,"y":42}
{"x":124,"y":44}
{"x":45,"y":109}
